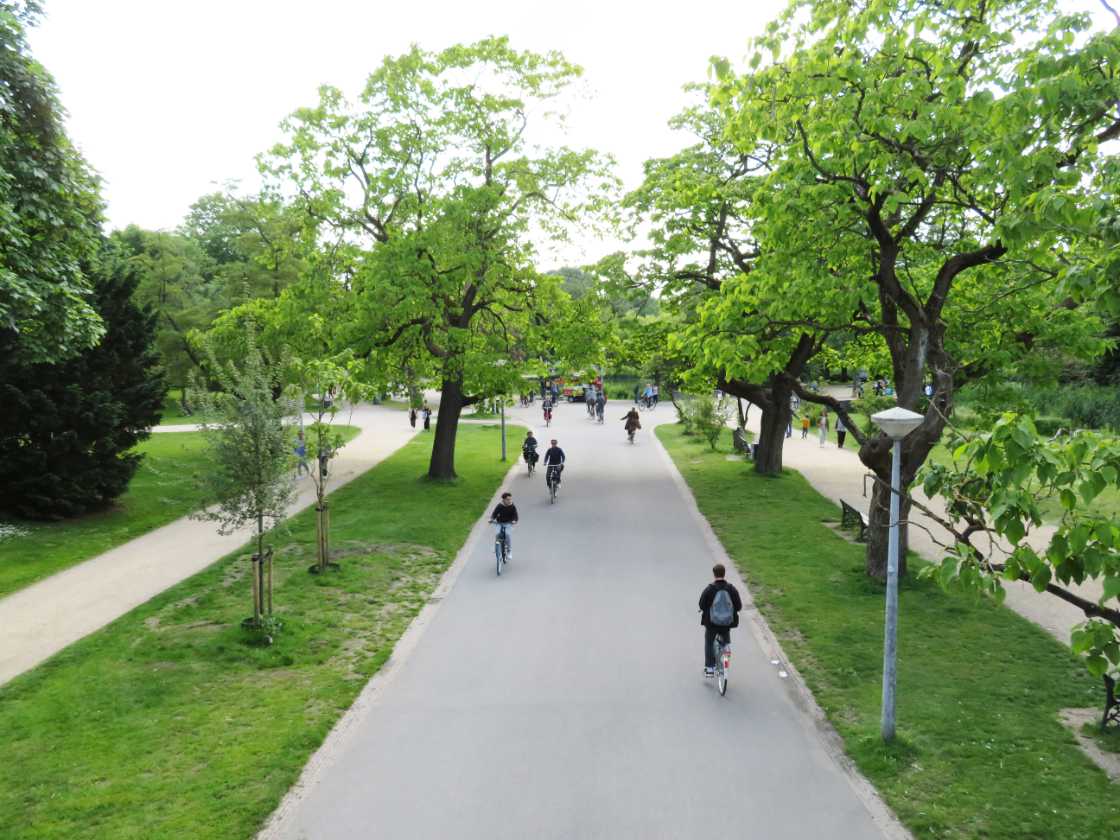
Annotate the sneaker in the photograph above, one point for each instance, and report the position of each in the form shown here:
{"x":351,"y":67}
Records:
{"x":709,"y":672}
{"x":509,"y":555}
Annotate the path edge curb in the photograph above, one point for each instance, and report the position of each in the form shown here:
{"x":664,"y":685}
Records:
{"x":278,"y":822}
{"x":813,"y":717}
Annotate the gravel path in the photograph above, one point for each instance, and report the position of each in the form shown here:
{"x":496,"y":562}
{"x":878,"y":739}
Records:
{"x":42,"y":619}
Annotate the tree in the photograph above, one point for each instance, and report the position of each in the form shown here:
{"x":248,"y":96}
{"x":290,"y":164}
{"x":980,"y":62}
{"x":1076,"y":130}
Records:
{"x":954,"y":159}
{"x":174,"y":281}
{"x":68,"y":431}
{"x":1000,"y":483}
{"x":709,"y":259}
{"x":251,"y":457}
{"x":50,"y":210}
{"x":329,"y":381}
{"x":434,"y":179}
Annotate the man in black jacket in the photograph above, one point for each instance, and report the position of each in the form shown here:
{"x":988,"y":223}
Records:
{"x":721,"y":626}
{"x":505,"y":514}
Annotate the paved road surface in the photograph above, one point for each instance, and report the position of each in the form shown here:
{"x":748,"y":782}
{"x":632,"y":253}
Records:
{"x":42,"y":619}
{"x":566,"y":699}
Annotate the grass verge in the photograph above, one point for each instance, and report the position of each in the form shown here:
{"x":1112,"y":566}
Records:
{"x":162,"y":490}
{"x":980,"y":750}
{"x":167,"y":723}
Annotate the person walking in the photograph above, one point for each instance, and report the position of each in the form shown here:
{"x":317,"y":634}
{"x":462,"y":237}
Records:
{"x":804,"y":426}
{"x":822,"y":427}
{"x":301,"y":455}
{"x":412,"y":417}
{"x":841,"y":432}
{"x":427,"y":413}
{"x":720,"y":605}
{"x":656,"y":394}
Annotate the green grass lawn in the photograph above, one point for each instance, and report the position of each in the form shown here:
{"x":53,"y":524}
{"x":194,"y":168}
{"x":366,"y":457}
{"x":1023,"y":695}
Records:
{"x":980,"y":751}
{"x":162,"y":490}
{"x":167,"y":723}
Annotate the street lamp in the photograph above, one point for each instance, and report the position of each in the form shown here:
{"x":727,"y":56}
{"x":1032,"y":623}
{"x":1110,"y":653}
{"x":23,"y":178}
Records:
{"x":896,"y":423}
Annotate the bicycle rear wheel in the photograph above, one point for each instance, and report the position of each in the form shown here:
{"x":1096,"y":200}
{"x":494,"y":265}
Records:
{"x":498,"y":555}
{"x":721,"y":668}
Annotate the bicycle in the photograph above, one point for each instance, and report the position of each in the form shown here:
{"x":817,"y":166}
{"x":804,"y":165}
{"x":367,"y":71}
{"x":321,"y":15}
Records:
{"x":552,"y":479}
{"x":599,"y":414}
{"x":501,"y":547}
{"x":548,"y":418}
{"x":722,"y":653}
{"x":530,"y":459}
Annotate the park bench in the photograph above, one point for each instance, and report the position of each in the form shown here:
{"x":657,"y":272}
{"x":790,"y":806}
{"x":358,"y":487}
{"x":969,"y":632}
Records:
{"x":851,"y":517}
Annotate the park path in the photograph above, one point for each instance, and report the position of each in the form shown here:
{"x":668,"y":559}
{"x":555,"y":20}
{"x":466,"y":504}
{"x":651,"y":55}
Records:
{"x":566,"y":699}
{"x":42,"y":619}
{"x":838,"y":474}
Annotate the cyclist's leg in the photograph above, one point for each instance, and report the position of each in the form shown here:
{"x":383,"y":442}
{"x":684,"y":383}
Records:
{"x":709,"y":657}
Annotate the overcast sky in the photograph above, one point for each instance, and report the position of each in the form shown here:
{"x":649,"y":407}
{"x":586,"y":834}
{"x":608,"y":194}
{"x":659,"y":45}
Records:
{"x":168,"y":98}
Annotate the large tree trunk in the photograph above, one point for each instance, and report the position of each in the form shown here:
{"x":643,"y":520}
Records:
{"x":876,"y":455}
{"x":878,"y":532}
{"x":772,"y":432}
{"x":451,"y":402}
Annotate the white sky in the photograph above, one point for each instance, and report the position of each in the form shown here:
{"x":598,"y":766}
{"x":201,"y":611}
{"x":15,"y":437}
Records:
{"x":169,"y":98}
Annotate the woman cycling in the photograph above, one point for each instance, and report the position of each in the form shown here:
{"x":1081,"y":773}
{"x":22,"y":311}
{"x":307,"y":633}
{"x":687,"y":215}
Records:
{"x":633,"y":423}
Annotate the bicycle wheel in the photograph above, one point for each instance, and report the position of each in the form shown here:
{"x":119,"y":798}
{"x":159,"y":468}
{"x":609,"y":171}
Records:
{"x":721,"y":671}
{"x":552,"y":492}
{"x":498,"y":555}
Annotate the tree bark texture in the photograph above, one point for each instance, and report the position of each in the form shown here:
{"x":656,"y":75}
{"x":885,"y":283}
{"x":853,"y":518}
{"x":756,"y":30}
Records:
{"x":451,"y":402}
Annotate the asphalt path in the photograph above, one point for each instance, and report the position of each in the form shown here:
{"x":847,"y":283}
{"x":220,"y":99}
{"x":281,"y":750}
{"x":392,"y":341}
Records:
{"x":566,"y":698}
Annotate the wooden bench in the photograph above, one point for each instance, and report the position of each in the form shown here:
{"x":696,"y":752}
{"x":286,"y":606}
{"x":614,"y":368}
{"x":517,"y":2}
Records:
{"x":854,"y":518}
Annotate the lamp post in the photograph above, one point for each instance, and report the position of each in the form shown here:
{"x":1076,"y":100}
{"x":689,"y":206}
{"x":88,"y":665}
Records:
{"x":896,"y":423}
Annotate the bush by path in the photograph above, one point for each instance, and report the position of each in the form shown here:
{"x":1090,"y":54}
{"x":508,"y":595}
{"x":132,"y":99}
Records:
{"x":980,"y":750}
{"x":166,"y":723}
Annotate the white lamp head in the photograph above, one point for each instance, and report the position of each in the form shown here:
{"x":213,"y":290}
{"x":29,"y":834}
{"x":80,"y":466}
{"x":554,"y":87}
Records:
{"x":896,"y":423}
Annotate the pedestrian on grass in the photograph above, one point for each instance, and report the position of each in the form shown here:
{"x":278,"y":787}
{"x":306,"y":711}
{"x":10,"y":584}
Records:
{"x":822,"y":427}
{"x":841,"y":432}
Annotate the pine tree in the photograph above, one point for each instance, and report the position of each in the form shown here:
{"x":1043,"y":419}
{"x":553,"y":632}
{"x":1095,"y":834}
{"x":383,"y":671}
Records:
{"x":67,"y":431}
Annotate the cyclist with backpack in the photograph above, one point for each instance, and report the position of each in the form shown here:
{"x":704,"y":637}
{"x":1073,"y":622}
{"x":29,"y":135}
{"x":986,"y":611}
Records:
{"x":720,"y":605}
{"x":553,"y":464}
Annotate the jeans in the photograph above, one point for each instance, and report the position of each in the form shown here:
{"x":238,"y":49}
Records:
{"x":499,"y":527}
{"x":710,"y":634}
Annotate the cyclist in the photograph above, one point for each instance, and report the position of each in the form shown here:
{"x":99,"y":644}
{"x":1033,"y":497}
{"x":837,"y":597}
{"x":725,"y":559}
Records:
{"x":633,"y":422}
{"x":506,"y":514}
{"x":720,"y":612}
{"x":553,"y":464}
{"x":529,"y":449}
{"x":546,"y":409}
{"x":600,"y":404}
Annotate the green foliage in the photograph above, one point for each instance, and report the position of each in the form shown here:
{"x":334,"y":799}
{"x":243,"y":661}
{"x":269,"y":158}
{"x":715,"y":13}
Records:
{"x":1001,"y":481}
{"x":231,"y":252}
{"x":68,"y":430}
{"x":1082,"y":406}
{"x":135,"y":710}
{"x":50,"y":210}
{"x":703,"y":415}
{"x":957,"y":729}
{"x":430,"y":184}
{"x":249,"y":478}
